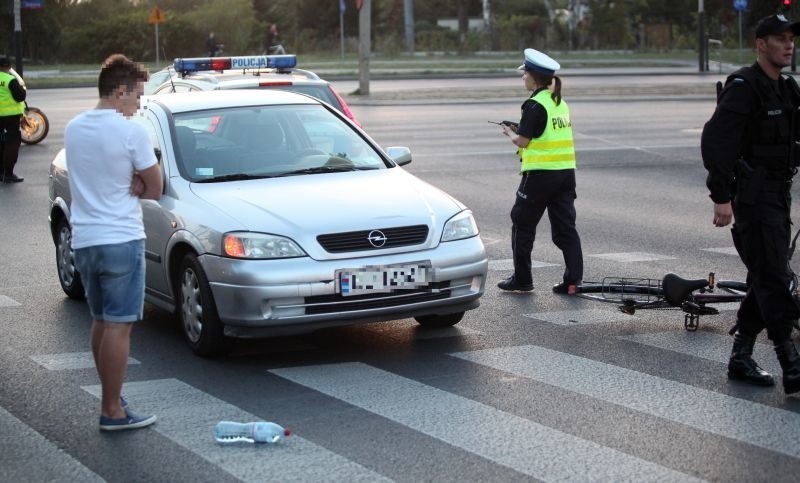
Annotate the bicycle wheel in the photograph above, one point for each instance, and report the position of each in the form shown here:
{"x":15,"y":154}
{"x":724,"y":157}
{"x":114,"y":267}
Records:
{"x":629,"y":294}
{"x":34,"y":126}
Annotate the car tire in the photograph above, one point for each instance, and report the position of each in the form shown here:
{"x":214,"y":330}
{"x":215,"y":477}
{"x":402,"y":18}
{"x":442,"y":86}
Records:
{"x":437,"y":320}
{"x":68,"y":275}
{"x":197,"y":311}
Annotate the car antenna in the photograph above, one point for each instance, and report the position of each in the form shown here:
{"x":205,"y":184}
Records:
{"x":169,"y":70}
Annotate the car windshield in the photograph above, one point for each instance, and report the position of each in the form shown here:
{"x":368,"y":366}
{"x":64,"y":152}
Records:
{"x":268,"y":141}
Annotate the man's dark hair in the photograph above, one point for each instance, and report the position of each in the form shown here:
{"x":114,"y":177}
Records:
{"x":119,"y":70}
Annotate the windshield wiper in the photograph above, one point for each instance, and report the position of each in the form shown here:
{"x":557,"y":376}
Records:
{"x":233,"y":177}
{"x":326,"y":169}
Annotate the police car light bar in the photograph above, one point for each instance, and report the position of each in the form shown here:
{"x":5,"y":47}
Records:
{"x":196,"y":64}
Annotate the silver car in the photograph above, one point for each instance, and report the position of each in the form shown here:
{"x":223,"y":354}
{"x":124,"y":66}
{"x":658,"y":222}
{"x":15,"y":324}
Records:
{"x":279,"y":215}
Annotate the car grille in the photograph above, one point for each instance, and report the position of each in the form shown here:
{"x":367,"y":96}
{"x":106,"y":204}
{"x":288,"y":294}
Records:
{"x":353,"y":241}
{"x":331,"y":304}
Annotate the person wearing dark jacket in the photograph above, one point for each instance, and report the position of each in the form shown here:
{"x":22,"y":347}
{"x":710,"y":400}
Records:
{"x":749,"y":150}
{"x":12,"y":108}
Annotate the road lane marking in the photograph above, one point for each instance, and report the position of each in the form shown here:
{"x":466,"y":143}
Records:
{"x":723,"y":250}
{"x":409,"y":329}
{"x":26,"y":455}
{"x":8,"y":302}
{"x":580,"y":317}
{"x":705,"y":345}
{"x":187,"y":416}
{"x":770,"y":428}
{"x":632,"y":257}
{"x":509,"y":440}
{"x":69,"y":360}
{"x":508,"y":264}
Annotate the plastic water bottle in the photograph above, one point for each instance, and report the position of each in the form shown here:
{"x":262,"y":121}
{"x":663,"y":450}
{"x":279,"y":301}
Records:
{"x":258,"y":432}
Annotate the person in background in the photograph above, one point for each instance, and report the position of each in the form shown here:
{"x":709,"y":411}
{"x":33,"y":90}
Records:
{"x":272,"y":44}
{"x":545,"y":146}
{"x":212,"y":47}
{"x":112,"y":166}
{"x":12,"y":108}
{"x":750,"y":152}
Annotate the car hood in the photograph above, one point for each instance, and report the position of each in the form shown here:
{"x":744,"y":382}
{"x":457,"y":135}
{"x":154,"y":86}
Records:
{"x":302,"y":207}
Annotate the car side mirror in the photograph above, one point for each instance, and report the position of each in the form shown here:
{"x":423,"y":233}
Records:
{"x":399,"y":154}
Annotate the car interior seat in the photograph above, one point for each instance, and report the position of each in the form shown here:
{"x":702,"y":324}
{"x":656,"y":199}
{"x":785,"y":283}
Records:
{"x":187,"y":149}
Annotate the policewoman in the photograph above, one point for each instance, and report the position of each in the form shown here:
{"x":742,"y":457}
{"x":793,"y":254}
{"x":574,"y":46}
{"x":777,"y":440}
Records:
{"x":12,"y":107}
{"x":545,"y":146}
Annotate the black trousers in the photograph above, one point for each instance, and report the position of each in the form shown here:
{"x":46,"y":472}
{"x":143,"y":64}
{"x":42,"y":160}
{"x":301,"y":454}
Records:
{"x":10,"y":139}
{"x":762,"y":234}
{"x":553,"y":191}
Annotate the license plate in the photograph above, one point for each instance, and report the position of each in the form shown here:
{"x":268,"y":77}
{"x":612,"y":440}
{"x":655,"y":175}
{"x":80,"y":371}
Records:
{"x":358,"y":281}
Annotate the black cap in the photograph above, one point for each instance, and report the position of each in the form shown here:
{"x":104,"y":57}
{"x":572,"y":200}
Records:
{"x":775,"y":24}
{"x":5,"y":62}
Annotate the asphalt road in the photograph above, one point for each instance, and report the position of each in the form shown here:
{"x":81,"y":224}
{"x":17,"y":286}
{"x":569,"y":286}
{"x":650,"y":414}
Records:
{"x":527,"y":387}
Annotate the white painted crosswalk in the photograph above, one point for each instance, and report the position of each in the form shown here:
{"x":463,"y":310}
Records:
{"x":777,"y":430}
{"x":41,"y":459}
{"x":187,"y":416}
{"x":498,"y":437}
{"x":527,"y":447}
{"x":705,"y":345}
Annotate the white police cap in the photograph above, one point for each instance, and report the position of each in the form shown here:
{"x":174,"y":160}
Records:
{"x":539,"y":62}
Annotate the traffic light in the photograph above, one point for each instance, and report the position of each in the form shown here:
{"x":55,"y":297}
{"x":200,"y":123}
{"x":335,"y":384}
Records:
{"x":787,"y":3}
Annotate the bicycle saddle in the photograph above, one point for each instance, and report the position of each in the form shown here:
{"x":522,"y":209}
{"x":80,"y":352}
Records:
{"x":676,"y":289}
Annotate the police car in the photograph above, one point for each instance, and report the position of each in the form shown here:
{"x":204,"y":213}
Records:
{"x":278,"y":216}
{"x":244,"y":72}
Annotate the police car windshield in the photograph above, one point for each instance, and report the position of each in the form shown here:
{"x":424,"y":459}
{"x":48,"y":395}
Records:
{"x":245,"y":143}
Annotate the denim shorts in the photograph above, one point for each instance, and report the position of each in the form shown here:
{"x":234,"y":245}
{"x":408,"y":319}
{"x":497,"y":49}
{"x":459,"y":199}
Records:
{"x":113,"y":278}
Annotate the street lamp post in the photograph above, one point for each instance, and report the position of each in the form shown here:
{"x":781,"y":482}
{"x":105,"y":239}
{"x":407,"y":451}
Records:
{"x":701,"y":50}
{"x":17,"y":37}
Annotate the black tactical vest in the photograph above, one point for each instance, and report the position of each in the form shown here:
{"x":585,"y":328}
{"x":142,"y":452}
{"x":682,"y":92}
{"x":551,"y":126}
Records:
{"x":770,"y":137}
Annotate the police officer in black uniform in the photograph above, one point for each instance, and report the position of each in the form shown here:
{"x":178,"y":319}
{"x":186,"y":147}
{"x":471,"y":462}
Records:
{"x":748,"y":147}
{"x":547,"y":153}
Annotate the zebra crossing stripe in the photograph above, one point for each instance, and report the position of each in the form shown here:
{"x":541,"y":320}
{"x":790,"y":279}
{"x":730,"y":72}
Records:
{"x":509,"y":440}
{"x":26,"y":455}
{"x":69,"y":361}
{"x":187,"y":415}
{"x":776,"y":429}
{"x":705,"y":345}
{"x":8,"y":302}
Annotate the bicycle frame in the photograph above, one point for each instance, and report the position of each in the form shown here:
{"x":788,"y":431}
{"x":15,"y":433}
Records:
{"x":693,"y":297}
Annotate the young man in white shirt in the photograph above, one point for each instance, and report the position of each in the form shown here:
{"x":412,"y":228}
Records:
{"x":111,"y":166}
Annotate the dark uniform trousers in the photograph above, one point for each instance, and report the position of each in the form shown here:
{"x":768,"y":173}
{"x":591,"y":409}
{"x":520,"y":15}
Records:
{"x":762,"y":234}
{"x":553,"y":190}
{"x":10,"y":140}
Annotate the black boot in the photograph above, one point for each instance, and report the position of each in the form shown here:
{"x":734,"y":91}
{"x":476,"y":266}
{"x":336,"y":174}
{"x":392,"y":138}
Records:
{"x":790,"y":363}
{"x":742,"y":367}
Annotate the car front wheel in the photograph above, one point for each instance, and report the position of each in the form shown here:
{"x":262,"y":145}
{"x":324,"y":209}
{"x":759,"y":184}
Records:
{"x":445,"y":320}
{"x":197,"y":311}
{"x":68,"y":276}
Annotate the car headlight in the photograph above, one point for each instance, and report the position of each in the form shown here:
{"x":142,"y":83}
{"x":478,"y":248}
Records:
{"x":459,"y":227}
{"x":260,"y":246}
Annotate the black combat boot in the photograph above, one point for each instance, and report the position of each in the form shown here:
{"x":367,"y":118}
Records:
{"x":790,"y":363}
{"x":742,"y":367}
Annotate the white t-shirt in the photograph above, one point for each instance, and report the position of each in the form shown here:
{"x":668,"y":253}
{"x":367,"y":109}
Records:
{"x":103,"y":149}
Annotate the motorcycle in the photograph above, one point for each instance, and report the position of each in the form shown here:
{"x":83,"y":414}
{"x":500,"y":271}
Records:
{"x":33,"y":125}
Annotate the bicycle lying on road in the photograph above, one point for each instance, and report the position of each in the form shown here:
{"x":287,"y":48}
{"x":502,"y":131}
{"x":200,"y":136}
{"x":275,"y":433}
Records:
{"x":693,"y":297}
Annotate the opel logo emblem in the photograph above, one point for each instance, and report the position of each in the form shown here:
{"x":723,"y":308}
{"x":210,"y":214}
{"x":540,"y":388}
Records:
{"x":376,"y":238}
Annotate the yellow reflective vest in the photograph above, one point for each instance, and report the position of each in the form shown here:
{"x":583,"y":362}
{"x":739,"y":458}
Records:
{"x":554,"y":149}
{"x":8,"y":106}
